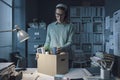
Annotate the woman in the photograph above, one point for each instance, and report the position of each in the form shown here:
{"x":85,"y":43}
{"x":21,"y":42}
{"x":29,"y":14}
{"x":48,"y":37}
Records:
{"x":60,"y":32}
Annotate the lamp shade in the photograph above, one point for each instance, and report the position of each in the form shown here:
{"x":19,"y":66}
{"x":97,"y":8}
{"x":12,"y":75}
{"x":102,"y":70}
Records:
{"x":22,"y":35}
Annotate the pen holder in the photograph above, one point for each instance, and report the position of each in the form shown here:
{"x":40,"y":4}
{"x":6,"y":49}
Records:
{"x":104,"y":74}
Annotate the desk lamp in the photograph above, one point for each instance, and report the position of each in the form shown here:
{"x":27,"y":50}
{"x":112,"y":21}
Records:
{"x":21,"y":34}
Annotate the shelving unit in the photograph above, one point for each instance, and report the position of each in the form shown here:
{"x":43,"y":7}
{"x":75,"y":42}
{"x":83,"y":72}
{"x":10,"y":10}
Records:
{"x":89,"y":28}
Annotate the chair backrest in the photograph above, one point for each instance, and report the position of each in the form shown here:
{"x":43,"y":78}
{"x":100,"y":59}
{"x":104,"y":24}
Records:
{"x":79,"y":56}
{"x":109,"y":59}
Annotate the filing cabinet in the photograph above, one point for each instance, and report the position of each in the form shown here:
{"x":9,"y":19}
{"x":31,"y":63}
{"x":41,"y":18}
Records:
{"x":37,"y":38}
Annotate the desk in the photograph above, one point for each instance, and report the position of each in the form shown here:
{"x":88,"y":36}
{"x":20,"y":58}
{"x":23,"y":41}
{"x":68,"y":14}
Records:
{"x":6,"y":69}
{"x":32,"y":74}
{"x":96,"y":78}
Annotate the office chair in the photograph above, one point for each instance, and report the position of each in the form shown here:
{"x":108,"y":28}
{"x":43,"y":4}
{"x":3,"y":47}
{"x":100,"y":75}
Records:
{"x":79,"y":58}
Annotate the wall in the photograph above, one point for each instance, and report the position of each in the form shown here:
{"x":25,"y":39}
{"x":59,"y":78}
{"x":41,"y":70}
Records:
{"x":44,"y":10}
{"x":19,"y":19}
{"x":12,"y":12}
{"x":111,"y":6}
{"x":5,"y":24}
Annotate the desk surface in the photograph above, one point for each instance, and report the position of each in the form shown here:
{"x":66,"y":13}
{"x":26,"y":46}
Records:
{"x":72,"y":74}
{"x":6,"y":69}
{"x":4,"y":65}
{"x":75,"y":73}
{"x":97,"y":78}
{"x":32,"y":74}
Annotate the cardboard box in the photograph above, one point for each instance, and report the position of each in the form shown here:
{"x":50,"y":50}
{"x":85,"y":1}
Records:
{"x":52,"y":64}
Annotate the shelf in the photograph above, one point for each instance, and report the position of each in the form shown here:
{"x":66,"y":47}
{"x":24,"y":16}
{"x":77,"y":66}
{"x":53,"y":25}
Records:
{"x":89,"y":28}
{"x":97,"y":19}
{"x":86,"y":27}
{"x":86,"y":19}
{"x":97,"y":43}
{"x":97,"y":27}
{"x":87,"y":47}
{"x":75,"y":19}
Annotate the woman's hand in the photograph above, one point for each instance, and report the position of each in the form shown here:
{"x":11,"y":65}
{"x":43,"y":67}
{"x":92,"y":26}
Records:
{"x":59,"y":50}
{"x":37,"y":56}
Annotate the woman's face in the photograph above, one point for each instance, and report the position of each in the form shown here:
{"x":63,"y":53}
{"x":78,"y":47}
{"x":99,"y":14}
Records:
{"x":60,"y":15}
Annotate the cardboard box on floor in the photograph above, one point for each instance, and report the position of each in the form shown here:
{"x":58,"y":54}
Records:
{"x":52,"y":64}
